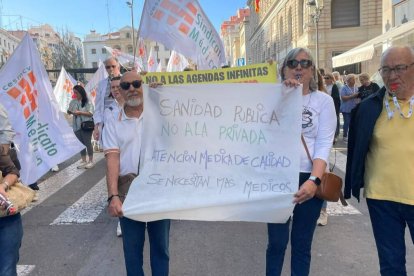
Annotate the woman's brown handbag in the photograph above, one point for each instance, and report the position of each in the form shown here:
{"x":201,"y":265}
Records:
{"x":330,"y":188}
{"x":20,"y":195}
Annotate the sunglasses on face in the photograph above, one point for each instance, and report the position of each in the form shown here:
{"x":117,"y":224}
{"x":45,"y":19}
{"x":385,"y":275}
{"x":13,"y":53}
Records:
{"x":125,"y":85}
{"x":110,"y":66}
{"x":304,"y":63}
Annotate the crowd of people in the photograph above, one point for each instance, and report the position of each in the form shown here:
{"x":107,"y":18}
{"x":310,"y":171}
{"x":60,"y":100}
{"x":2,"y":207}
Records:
{"x":378,"y":128}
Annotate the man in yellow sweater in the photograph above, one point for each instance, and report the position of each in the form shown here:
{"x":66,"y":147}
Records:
{"x":381,"y":158}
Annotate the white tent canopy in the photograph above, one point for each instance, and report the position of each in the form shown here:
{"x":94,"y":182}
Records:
{"x":366,"y":50}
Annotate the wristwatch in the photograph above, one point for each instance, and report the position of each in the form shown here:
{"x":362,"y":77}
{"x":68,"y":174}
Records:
{"x":315,"y":180}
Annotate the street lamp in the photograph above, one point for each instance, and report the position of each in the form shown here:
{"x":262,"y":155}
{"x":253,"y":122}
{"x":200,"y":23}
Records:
{"x":317,"y":7}
{"x":131,"y":6}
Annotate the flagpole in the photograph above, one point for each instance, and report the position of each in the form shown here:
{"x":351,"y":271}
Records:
{"x":131,"y":6}
{"x":139,"y":29}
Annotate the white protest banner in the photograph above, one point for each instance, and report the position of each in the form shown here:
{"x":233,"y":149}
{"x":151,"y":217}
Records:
{"x":218,"y":152}
{"x":182,"y":25}
{"x":177,"y":62}
{"x":43,"y":134}
{"x":63,"y":90}
{"x":92,"y":85}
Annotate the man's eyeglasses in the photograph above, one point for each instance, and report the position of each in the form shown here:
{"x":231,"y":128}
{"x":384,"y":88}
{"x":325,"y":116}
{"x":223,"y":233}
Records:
{"x":304,"y":63}
{"x":110,"y":66}
{"x":125,"y":85}
{"x":327,"y":78}
{"x":399,"y":69}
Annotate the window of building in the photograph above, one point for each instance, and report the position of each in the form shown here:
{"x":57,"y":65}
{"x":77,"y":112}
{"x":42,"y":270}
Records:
{"x":93,"y":51}
{"x":8,"y":45}
{"x":103,"y":50}
{"x":128,"y":35}
{"x":130,"y":49}
{"x":47,"y":35}
{"x":300,"y":17}
{"x":117,"y":47}
{"x":281,"y":35}
{"x":347,"y":69}
{"x":166,"y":61}
{"x":290,"y":26}
{"x":94,"y":65}
{"x":345,"y":13}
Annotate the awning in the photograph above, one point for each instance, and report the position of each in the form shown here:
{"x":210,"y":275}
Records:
{"x":365,"y":51}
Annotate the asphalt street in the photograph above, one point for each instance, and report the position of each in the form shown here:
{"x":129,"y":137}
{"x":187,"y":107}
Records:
{"x":68,"y":232}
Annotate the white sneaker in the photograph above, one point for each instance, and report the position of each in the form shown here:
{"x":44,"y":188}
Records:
{"x":89,"y":165}
{"x":118,"y":230}
{"x":323,"y":218}
{"x":55,"y":168}
{"x":82,"y":165}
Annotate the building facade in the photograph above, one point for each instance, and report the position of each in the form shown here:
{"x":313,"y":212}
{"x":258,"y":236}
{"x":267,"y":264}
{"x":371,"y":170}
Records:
{"x":281,"y":25}
{"x":232,"y":33}
{"x":8,"y":43}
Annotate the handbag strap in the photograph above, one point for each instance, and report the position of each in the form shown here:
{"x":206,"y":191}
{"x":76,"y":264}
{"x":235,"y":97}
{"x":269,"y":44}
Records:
{"x":306,"y":148}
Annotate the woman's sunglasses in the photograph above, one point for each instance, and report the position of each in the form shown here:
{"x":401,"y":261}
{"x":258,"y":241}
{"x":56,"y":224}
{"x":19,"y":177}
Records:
{"x":125,"y":85}
{"x":304,"y":63}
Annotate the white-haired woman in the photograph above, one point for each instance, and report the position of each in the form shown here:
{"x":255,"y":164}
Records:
{"x":318,"y":130}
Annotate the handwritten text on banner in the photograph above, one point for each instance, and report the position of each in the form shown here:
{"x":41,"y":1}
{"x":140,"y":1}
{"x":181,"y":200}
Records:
{"x":218,"y":152}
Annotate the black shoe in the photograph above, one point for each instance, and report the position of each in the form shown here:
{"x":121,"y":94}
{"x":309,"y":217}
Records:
{"x":34,"y":186}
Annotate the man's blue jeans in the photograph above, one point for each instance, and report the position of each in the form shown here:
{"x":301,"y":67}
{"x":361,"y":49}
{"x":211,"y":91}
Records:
{"x":388,"y":221}
{"x":11,"y":234}
{"x":304,"y":220}
{"x":133,"y":236}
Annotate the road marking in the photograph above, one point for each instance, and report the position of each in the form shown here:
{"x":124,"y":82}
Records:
{"x":56,"y":182}
{"x":87,"y":208}
{"x":24,"y":270}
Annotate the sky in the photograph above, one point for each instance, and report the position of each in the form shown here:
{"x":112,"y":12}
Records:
{"x":81,"y":16}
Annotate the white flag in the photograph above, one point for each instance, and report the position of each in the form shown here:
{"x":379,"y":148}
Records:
{"x":182,"y":25}
{"x":92,"y":86}
{"x":142,"y":54}
{"x":152,"y":62}
{"x":177,"y":62}
{"x":159,"y":67}
{"x":126,"y":59}
{"x":63,"y":90}
{"x":43,"y":134}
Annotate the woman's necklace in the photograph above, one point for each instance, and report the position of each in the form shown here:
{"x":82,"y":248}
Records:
{"x":390,"y":113}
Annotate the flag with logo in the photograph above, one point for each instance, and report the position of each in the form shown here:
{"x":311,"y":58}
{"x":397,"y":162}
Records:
{"x":125,"y":59}
{"x":152,"y":62}
{"x":91,"y":87}
{"x":44,"y":136}
{"x":183,"y":26}
{"x":142,"y":53}
{"x":63,"y":90}
{"x":177,"y":62}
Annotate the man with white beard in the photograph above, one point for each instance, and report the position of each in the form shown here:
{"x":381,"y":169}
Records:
{"x":122,"y":145}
